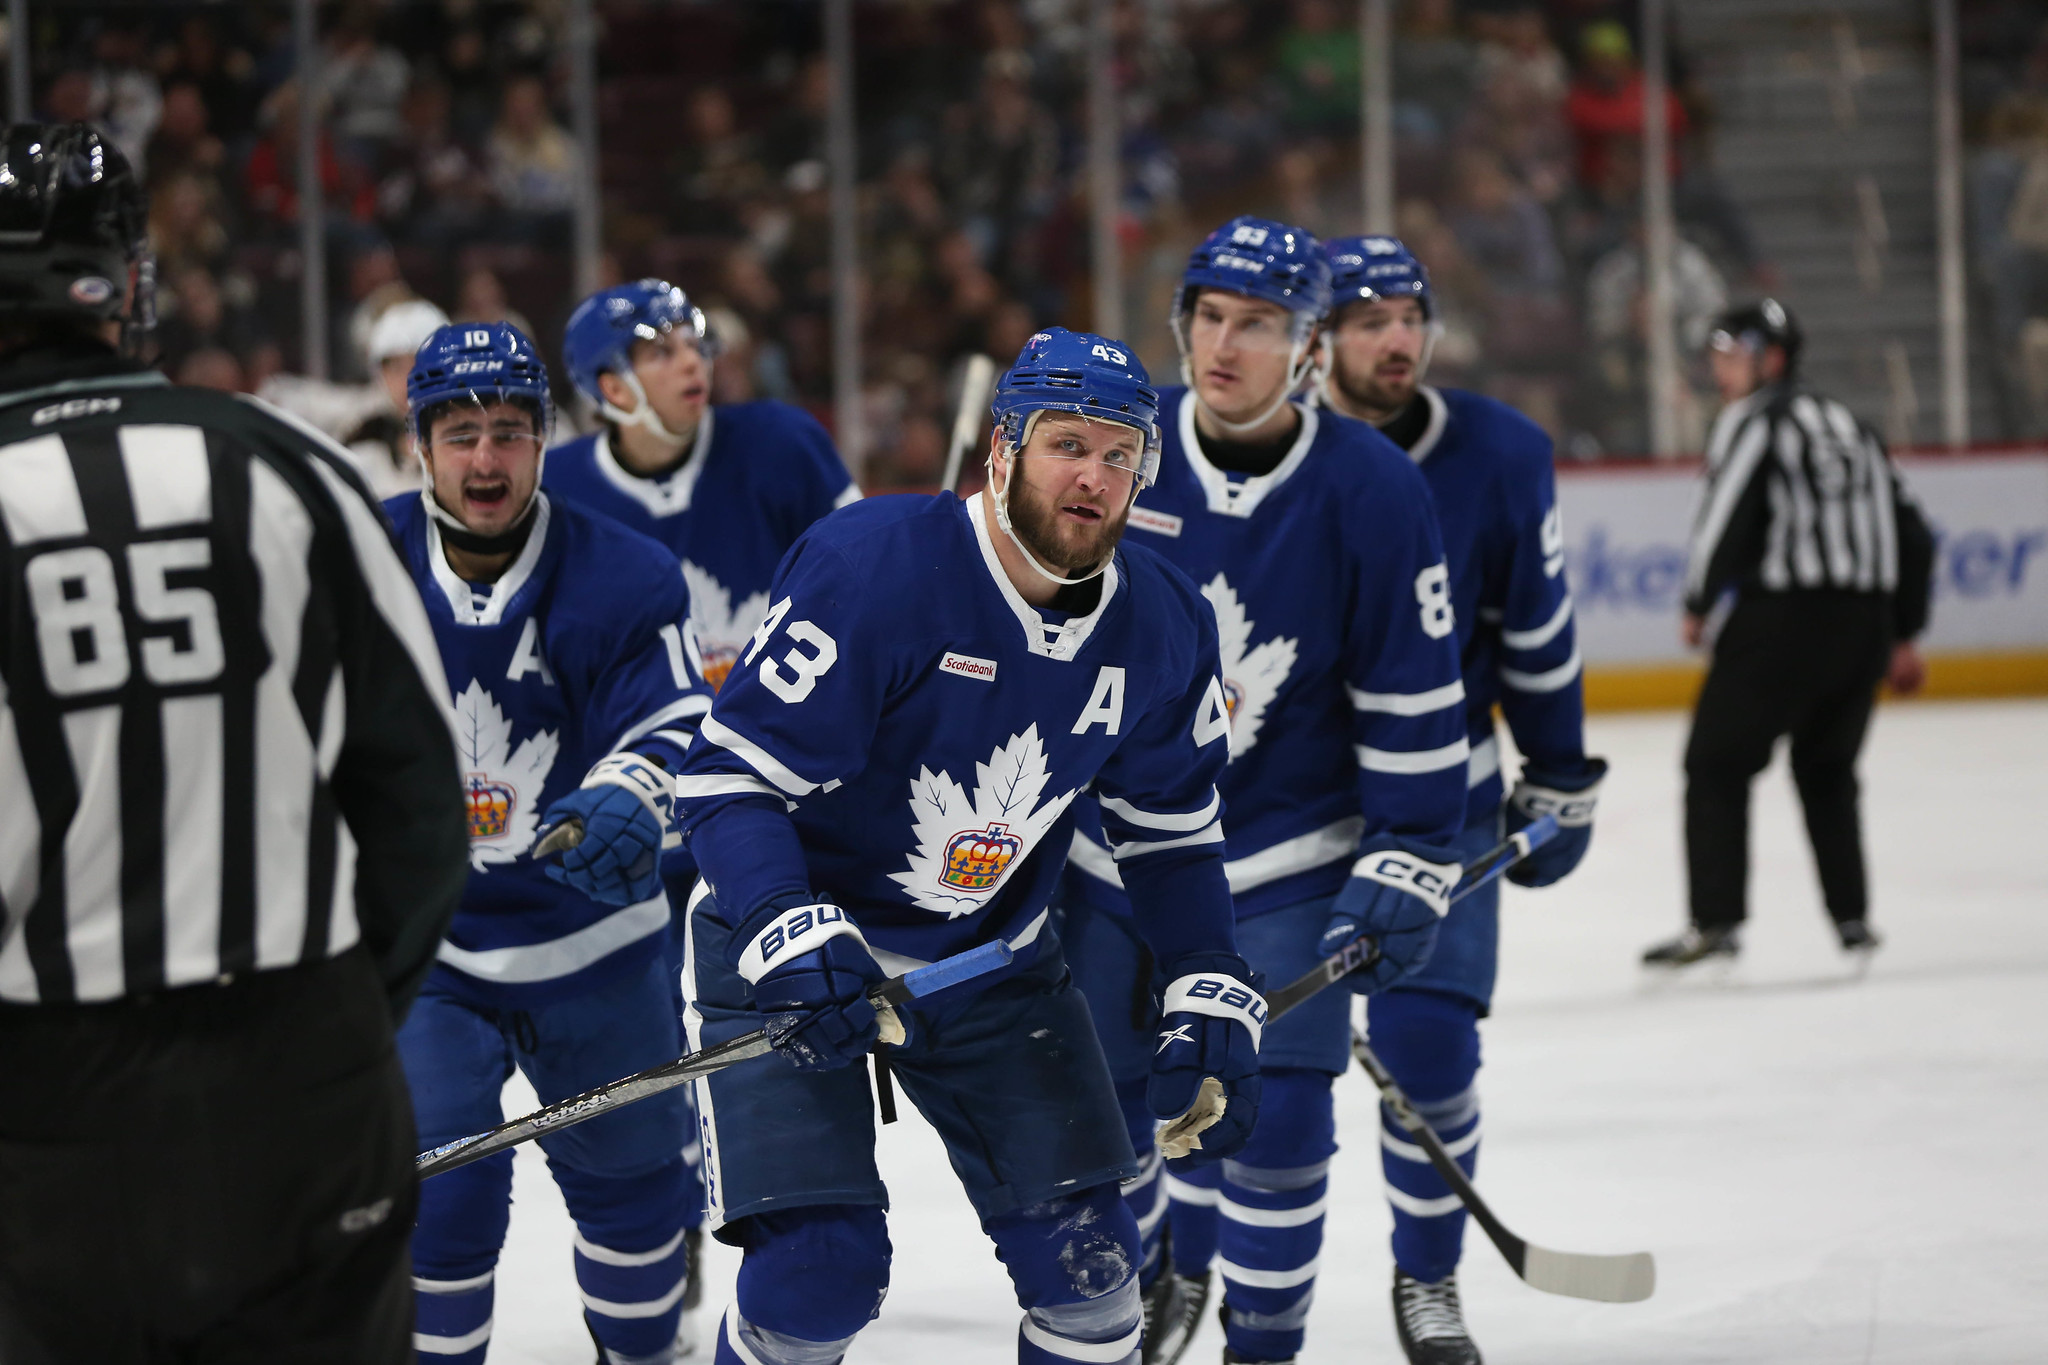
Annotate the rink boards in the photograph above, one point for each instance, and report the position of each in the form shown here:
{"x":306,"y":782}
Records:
{"x":1626,"y":528}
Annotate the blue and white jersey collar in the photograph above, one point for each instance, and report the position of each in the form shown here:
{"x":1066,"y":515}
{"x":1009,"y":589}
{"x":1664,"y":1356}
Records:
{"x":663,"y":497}
{"x":462,"y":598}
{"x":1061,"y":642}
{"x":1439,"y":416}
{"x":1241,"y":498}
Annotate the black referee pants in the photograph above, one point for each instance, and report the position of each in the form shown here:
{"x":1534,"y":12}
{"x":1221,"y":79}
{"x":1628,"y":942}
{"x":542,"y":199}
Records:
{"x":219,"y":1175}
{"x":1800,"y":664}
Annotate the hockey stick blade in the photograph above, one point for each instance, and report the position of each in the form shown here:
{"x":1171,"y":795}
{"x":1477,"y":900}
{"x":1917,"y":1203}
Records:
{"x":912,"y":985}
{"x":1629,"y":1278}
{"x":1359,"y":952}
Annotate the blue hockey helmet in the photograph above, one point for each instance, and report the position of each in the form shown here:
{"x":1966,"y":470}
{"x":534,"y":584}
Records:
{"x":1374,"y":267}
{"x":1082,"y":373}
{"x":602,"y":331}
{"x":476,"y":361}
{"x":1079,"y":372}
{"x":1261,"y":259}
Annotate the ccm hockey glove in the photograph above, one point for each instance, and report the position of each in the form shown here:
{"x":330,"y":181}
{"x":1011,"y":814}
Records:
{"x":627,"y":806}
{"x":1205,"y":1071}
{"x":811,"y":972}
{"x":1570,"y":795}
{"x":1399,"y":890}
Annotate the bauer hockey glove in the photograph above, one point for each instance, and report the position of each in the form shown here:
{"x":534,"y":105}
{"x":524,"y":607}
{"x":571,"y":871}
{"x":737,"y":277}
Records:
{"x":1205,"y":1071}
{"x":627,"y":806}
{"x":1570,"y":795}
{"x":1399,"y":890}
{"x":811,"y":972}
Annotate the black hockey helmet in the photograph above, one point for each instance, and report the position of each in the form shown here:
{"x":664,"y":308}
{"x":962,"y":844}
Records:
{"x":1754,"y":326}
{"x":73,"y":223}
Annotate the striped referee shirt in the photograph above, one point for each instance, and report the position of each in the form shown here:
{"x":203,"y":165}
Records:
{"x":1800,"y":496}
{"x":224,"y":744}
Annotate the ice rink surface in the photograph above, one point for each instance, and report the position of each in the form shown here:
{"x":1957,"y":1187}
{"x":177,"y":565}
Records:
{"x":1830,"y":1171}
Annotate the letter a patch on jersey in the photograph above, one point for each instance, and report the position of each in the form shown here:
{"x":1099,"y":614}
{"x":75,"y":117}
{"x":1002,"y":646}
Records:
{"x":502,"y":783}
{"x":967,"y":849}
{"x":1105,"y":704}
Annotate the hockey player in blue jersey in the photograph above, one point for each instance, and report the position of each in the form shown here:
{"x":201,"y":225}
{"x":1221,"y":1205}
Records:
{"x":566,"y":639}
{"x":888,"y":778}
{"x":727,"y":489}
{"x":1489,"y":470}
{"x":1313,"y":540}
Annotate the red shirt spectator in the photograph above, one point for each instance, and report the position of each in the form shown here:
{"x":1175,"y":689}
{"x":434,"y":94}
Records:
{"x":1606,"y":103}
{"x":271,"y":179}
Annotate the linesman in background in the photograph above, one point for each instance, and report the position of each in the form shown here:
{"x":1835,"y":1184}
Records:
{"x":1806,"y":522}
{"x":231,"y":833}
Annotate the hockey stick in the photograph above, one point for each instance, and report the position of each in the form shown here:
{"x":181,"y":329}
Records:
{"x":912,"y":985}
{"x":1629,"y":1278}
{"x":1361,"y":952}
{"x":975,"y":382}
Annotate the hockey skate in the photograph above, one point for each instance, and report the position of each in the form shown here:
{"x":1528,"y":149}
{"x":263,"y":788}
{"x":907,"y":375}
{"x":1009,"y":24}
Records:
{"x":1173,"y":1310}
{"x":1860,"y":942}
{"x":1696,"y":945}
{"x":1430,"y":1322}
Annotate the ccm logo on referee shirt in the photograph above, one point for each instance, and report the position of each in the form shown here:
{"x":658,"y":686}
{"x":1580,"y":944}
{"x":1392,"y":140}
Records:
{"x":967,"y":666}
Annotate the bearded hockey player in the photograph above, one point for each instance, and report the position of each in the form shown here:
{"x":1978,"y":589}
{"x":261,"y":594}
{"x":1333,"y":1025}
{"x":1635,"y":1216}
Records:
{"x":727,"y":489}
{"x":1313,"y":540}
{"x":1489,"y":470}
{"x":887,"y":779}
{"x":566,"y":640}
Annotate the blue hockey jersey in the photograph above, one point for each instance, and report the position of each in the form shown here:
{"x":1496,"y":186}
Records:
{"x":1489,"y":469}
{"x":758,"y":475}
{"x":1340,"y":666}
{"x":927,"y":732}
{"x":579,"y":650}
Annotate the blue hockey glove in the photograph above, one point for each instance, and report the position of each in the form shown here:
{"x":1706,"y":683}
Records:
{"x":811,"y":972}
{"x":627,"y":806}
{"x":1209,"y":1027}
{"x":1399,"y":890}
{"x":1570,"y":796}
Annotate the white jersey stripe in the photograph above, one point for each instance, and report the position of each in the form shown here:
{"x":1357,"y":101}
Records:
{"x":21,"y":841}
{"x":39,"y":491}
{"x":194,"y":814}
{"x":1543,"y":634}
{"x":280,"y":542}
{"x":754,"y":756}
{"x":168,"y":480}
{"x":1194,"y":819}
{"x":1550,"y":680}
{"x":1138,"y":849}
{"x":1409,"y":703}
{"x":527,"y":962}
{"x":92,"y":853}
{"x":1252,"y":1278}
{"x":1412,"y":762}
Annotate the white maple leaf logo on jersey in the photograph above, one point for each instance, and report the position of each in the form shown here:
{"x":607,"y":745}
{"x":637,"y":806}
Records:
{"x":1251,"y":677}
{"x":966,"y":849}
{"x":722,"y":628}
{"x":502,"y":783}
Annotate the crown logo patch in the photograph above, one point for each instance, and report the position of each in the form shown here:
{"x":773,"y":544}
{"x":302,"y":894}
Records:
{"x":968,"y":847}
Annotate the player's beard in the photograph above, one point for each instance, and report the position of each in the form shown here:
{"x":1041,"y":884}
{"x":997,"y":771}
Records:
{"x":1068,"y":549}
{"x":1369,"y":393}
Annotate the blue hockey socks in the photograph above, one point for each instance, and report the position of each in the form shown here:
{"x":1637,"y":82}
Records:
{"x":1272,"y":1201}
{"x":630,"y":1264}
{"x":1430,"y":1043}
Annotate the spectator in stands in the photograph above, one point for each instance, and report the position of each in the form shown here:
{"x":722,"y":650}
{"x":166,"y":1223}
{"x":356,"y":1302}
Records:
{"x":797,"y":132}
{"x":483,"y":299}
{"x":185,"y":227}
{"x":716,"y":170}
{"x":212,"y":368}
{"x":362,"y":84}
{"x":126,"y":98}
{"x":435,"y":190}
{"x":197,"y":318}
{"x":1502,"y":229}
{"x":1606,"y":101}
{"x":998,"y":163}
{"x":2009,"y":219}
{"x":1316,"y":64}
{"x":271,"y":179}
{"x":1617,"y":319}
{"x":535,"y":166}
{"x":183,"y":143}
{"x":221,"y":73}
{"x":1433,"y":71}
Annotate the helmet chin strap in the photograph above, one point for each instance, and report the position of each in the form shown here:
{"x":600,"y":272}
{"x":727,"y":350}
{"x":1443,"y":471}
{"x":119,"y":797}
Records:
{"x":642,"y":415}
{"x":1001,"y":498}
